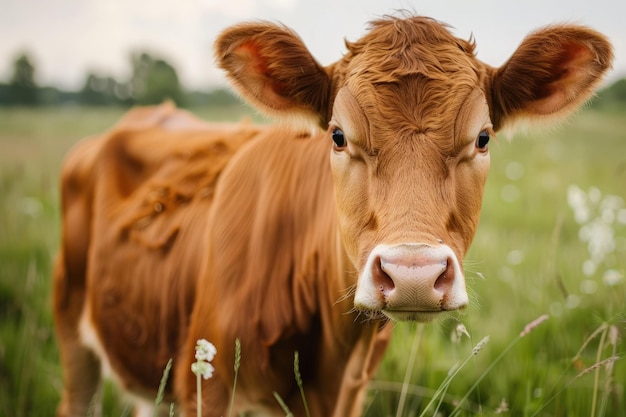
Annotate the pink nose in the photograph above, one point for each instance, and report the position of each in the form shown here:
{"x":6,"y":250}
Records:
{"x":411,"y":281}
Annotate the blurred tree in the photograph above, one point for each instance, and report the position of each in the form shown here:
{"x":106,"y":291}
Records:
{"x":617,"y":91}
{"x":154,"y":80}
{"x":215,"y":97}
{"x":22,"y":87}
{"x":612,"y":96}
{"x":5,"y":95}
{"x":102,"y":91}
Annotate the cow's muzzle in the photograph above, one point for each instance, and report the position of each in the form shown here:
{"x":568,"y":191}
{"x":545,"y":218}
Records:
{"x":411,"y":281}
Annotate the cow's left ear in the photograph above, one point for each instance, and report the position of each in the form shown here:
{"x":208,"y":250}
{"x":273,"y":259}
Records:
{"x":272,"y":69}
{"x":552,"y":73}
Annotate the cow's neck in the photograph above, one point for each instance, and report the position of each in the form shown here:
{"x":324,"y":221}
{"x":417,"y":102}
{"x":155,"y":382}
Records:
{"x":276,"y":248}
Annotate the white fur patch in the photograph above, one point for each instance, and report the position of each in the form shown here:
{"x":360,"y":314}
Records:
{"x":89,"y":337}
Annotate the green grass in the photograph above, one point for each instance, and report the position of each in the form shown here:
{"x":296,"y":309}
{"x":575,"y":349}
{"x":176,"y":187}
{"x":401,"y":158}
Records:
{"x":525,"y":261}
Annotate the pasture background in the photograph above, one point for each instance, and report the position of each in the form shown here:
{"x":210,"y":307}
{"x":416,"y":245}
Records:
{"x":525,"y":261}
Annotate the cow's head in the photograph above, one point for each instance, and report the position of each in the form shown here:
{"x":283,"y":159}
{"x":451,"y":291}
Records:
{"x":409,"y":112}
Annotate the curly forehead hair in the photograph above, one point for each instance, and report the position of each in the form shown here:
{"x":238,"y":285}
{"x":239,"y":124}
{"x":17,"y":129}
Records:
{"x":411,"y":70}
{"x":395,"y":47}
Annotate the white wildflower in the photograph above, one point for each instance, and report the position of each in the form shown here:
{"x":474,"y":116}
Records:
{"x":203,"y":369}
{"x":612,"y":277}
{"x":577,"y":200}
{"x":600,"y":218}
{"x":601,"y":240}
{"x":31,"y":206}
{"x":514,"y":170}
{"x":594,"y":195}
{"x":458,"y":332}
{"x":589,"y":267}
{"x":205,"y":351}
{"x":503,"y":407}
{"x":576,"y":197}
{"x":515,"y":257}
{"x":612,"y":203}
{"x":572,"y":301}
{"x":556,"y":309}
{"x":588,"y":286}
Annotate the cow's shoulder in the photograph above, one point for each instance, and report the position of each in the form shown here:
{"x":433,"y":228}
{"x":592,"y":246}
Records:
{"x":154,"y":164}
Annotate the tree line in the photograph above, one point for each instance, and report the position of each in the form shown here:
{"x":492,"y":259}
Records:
{"x":152,"y":81}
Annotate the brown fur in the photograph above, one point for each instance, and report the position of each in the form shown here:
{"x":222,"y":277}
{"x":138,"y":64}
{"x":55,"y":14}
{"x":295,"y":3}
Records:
{"x":175,"y":230}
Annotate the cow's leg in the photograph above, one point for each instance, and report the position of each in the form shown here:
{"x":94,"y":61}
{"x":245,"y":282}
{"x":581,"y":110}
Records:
{"x":346,"y":398}
{"x":360,"y":369}
{"x":81,"y":367}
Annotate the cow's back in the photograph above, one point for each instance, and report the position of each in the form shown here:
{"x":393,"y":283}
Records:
{"x":135,"y":208}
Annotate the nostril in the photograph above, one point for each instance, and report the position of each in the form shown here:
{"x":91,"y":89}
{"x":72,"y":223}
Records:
{"x":382,"y":281}
{"x":445,"y":281}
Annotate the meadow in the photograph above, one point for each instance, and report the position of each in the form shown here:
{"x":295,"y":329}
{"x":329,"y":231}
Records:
{"x":552,"y":241}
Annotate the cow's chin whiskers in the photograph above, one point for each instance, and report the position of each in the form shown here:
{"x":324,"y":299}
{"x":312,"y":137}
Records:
{"x":416,"y":316}
{"x":365,"y":316}
{"x":348,"y":294}
{"x":360,"y":316}
{"x":397,"y":315}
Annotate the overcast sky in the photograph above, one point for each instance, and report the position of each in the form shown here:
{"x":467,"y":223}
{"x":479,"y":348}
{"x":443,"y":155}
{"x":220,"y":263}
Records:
{"x":67,"y":38}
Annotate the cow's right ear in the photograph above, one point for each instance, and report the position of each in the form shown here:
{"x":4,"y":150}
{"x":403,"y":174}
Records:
{"x":271,"y":68}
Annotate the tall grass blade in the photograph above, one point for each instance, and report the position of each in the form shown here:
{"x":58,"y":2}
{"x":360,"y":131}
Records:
{"x":613,"y":338}
{"x":454,"y":371}
{"x":161,"y":391}
{"x":236,"y":367}
{"x":596,"y":377}
{"x":282,"y":404}
{"x":296,"y":370}
{"x":598,"y":365}
{"x":527,"y":329}
{"x":578,"y":354}
{"x":409,"y":369}
{"x":593,"y":335}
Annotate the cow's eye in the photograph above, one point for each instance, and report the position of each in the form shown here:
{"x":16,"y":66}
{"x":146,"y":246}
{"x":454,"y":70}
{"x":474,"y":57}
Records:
{"x":483,"y":140}
{"x":338,"y":138}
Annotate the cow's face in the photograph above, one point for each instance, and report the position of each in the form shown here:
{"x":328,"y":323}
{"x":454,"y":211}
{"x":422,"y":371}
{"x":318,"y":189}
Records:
{"x":408,"y":199}
{"x":408,"y":113}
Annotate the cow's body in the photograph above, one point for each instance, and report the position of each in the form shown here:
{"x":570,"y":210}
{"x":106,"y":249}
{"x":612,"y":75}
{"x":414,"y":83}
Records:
{"x":176,"y":230}
{"x":148,"y":192}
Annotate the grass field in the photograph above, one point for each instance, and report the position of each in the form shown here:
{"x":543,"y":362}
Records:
{"x":529,"y":258}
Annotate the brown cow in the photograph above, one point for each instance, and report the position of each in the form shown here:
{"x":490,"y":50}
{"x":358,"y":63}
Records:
{"x":294,"y":239}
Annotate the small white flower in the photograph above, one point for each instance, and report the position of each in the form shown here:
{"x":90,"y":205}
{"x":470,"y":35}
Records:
{"x":515,"y":257}
{"x":203,"y":369}
{"x":205,"y":350}
{"x":589,"y":267}
{"x":588,"y":286}
{"x":572,"y":301}
{"x":458,"y":332}
{"x":577,"y":200}
{"x":594,"y":195}
{"x":612,"y":277}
